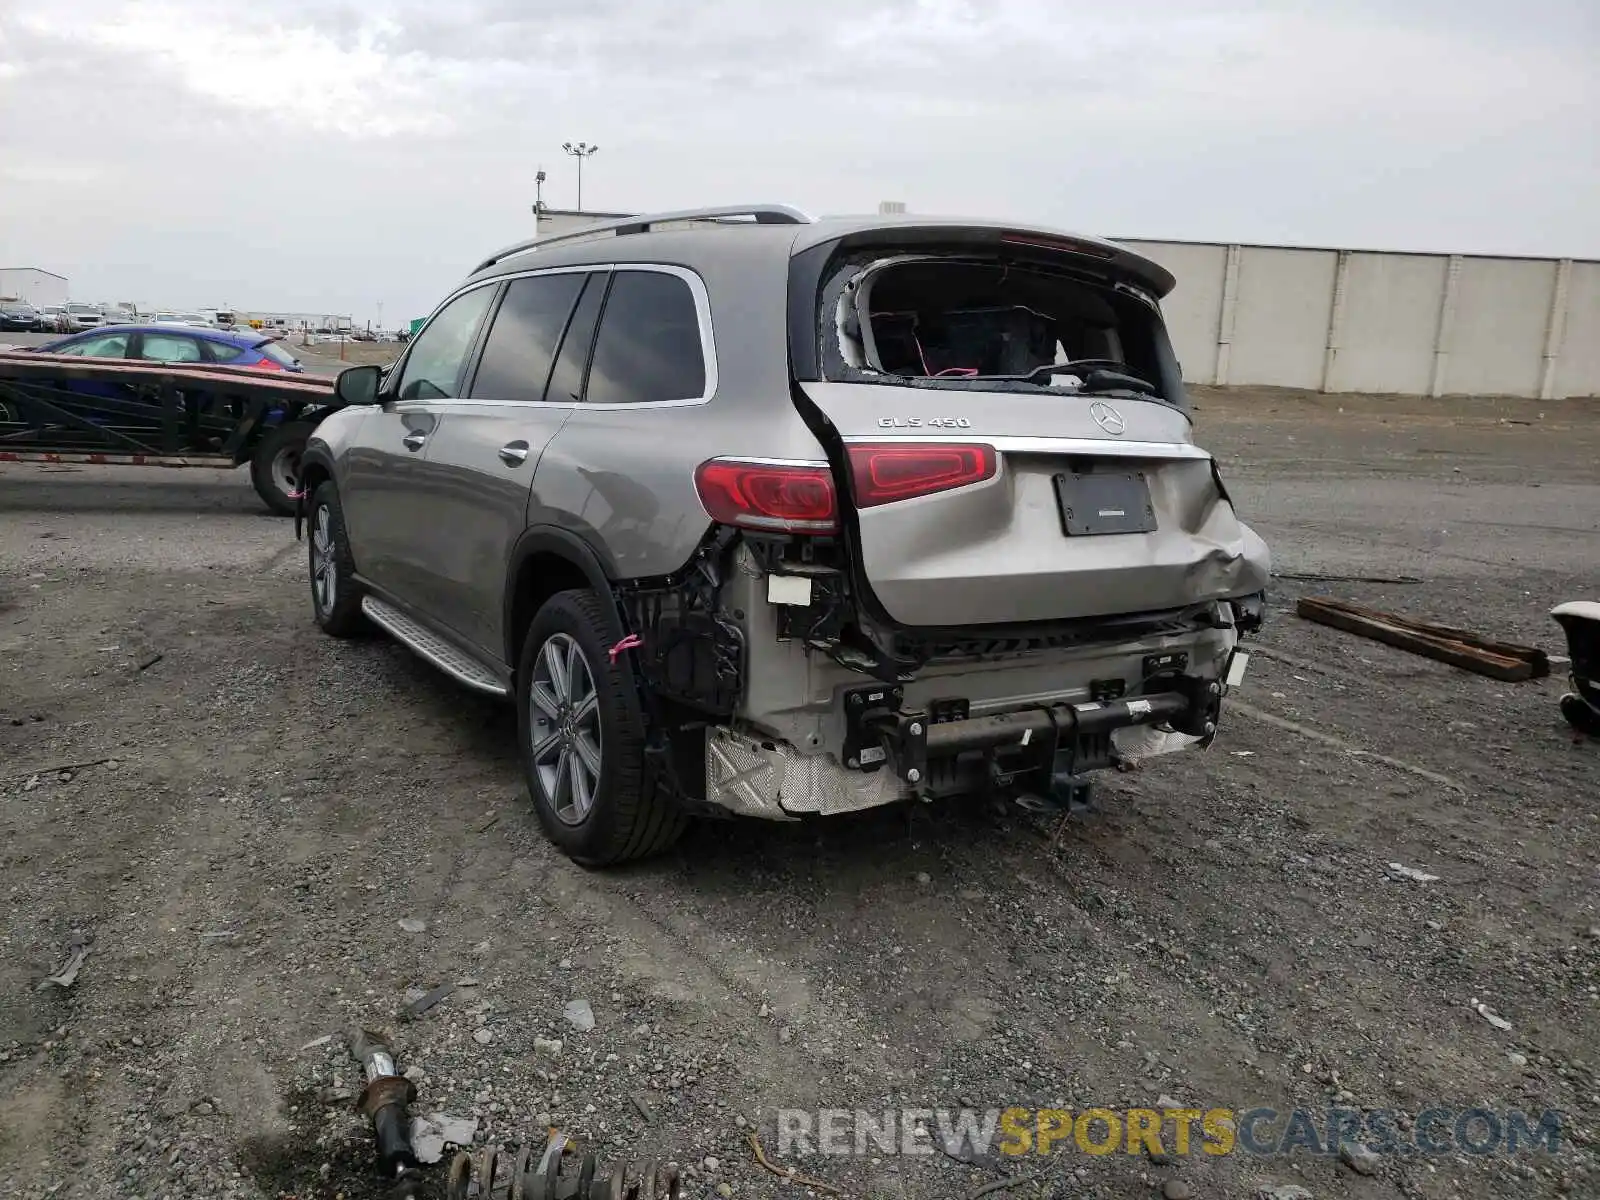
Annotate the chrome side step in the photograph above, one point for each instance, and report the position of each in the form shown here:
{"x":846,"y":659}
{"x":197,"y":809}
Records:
{"x":426,"y":644}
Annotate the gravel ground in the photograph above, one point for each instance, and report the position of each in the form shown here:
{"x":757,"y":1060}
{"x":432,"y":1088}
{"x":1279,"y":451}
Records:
{"x":273,"y":837}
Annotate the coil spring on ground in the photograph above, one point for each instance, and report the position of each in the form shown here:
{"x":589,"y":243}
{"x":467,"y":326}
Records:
{"x":493,"y":1173}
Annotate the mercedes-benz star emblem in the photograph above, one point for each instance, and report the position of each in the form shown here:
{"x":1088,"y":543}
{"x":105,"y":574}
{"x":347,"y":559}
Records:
{"x":1108,"y":418}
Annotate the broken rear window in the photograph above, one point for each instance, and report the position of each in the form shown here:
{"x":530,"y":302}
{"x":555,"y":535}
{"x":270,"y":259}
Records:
{"x":973,"y":322}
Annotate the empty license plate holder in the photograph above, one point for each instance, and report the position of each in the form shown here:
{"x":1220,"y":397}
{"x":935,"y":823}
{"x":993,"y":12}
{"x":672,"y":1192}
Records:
{"x":1101,"y":502}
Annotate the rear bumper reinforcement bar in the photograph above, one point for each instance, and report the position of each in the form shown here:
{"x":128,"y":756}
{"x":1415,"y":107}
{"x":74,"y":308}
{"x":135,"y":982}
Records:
{"x":934,"y":755}
{"x":1078,"y":720}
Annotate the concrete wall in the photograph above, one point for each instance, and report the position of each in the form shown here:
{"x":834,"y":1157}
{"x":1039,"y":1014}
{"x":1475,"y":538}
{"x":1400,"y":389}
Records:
{"x":1372,"y":321}
{"x":1367,"y":321}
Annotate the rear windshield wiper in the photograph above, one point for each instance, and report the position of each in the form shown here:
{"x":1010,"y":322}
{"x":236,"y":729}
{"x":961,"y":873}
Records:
{"x":1098,"y":374}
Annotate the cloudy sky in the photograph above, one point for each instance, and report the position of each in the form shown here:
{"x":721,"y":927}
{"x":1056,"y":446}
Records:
{"x":332,"y":155}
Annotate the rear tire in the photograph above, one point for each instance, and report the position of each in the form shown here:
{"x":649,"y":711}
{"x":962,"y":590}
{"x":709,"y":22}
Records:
{"x":582,"y":742}
{"x":275,"y":465}
{"x":335,"y":595}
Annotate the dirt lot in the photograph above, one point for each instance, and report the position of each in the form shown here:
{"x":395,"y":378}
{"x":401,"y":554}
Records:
{"x":242,"y":812}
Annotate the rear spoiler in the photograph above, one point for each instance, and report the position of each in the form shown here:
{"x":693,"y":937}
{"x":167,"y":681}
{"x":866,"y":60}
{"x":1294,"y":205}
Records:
{"x":1096,"y":253}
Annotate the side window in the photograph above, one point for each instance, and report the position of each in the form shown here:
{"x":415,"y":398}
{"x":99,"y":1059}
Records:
{"x":648,"y":348}
{"x":167,"y":347}
{"x":521,"y":346}
{"x":223,"y":351}
{"x":566,"y":379}
{"x":433,"y":368}
{"x":114,"y":345}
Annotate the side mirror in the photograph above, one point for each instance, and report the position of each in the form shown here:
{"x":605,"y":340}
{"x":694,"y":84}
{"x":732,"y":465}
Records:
{"x":358,"y":385}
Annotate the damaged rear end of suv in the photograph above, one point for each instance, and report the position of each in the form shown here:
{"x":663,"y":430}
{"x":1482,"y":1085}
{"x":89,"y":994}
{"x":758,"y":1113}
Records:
{"x":757,"y":514}
{"x":1011,"y":567}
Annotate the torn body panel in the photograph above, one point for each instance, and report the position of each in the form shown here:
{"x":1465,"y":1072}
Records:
{"x":812,"y":730}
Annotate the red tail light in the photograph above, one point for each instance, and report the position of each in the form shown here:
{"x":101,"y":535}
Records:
{"x":883,"y":472}
{"x":758,"y":495}
{"x":266,"y":364}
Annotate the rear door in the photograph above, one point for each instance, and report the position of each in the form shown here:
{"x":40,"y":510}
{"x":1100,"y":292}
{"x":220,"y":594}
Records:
{"x":480,"y":461}
{"x":621,"y":471}
{"x":982,"y":501}
{"x":387,"y":513}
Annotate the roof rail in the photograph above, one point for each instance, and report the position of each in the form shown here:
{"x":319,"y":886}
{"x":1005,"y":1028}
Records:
{"x":762,"y":214}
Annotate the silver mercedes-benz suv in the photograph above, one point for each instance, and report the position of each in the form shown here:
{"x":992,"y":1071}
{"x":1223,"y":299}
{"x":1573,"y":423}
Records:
{"x":753,"y":513}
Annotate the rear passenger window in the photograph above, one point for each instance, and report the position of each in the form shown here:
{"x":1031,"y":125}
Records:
{"x":523,"y":339}
{"x":566,"y":381}
{"x":648,"y":349}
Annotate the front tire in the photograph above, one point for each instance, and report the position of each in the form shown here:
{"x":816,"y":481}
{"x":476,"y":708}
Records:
{"x":335,"y":595}
{"x":275,"y":465}
{"x":583,"y":743}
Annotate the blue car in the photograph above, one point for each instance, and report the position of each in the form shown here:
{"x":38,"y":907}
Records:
{"x":177,"y":344}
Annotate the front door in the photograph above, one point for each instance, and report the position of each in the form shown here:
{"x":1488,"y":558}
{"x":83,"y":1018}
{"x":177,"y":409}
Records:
{"x":481,"y":459}
{"x":386,"y":510}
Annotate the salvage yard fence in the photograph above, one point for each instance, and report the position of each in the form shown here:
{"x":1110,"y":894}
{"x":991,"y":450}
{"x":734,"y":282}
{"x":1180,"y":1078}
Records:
{"x":1380,"y":321}
{"x":1365,"y":320}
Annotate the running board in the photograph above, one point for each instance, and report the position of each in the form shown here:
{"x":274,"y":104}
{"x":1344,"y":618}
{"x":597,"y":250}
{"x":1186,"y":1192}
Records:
{"x":427,"y":645}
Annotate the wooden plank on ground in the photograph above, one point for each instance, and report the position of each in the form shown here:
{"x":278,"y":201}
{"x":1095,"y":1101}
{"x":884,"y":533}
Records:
{"x":1442,"y":643}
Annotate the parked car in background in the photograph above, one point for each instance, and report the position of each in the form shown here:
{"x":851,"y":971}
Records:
{"x":162,"y":342}
{"x":83,"y":316}
{"x":790,"y":518}
{"x":18,"y":316}
{"x":54,"y":318}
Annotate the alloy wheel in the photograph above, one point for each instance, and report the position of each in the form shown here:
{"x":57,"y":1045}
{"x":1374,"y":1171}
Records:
{"x":564,"y":715}
{"x":324,"y":560}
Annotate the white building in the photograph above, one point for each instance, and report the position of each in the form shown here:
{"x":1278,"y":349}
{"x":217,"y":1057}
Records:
{"x":37,"y":287}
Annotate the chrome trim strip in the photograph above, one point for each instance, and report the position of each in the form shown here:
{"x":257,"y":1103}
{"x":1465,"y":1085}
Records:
{"x":1013,"y":444}
{"x":770,"y":462}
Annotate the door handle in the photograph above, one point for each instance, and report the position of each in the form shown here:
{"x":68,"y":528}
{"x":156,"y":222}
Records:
{"x":514,"y":454}
{"x":413,"y":441}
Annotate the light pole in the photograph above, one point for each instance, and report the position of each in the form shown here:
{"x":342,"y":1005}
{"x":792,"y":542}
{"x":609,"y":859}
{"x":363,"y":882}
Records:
{"x":579,"y":151}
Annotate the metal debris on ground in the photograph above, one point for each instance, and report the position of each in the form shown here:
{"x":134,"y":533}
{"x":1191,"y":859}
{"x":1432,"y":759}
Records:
{"x":432,"y":1133}
{"x":789,"y":1173}
{"x":1397,"y":871}
{"x":580,"y":1015}
{"x":1458,"y":647}
{"x":559,"y":1173}
{"x":62,"y":767}
{"x":383,"y":1101}
{"x":426,"y":1001}
{"x":1489,"y":1015}
{"x":77,"y":950}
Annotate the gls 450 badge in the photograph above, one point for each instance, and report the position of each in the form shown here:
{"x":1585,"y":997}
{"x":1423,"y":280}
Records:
{"x":924,"y":423}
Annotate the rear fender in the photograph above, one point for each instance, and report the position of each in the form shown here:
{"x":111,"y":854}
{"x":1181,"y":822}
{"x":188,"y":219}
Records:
{"x":568,"y":546}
